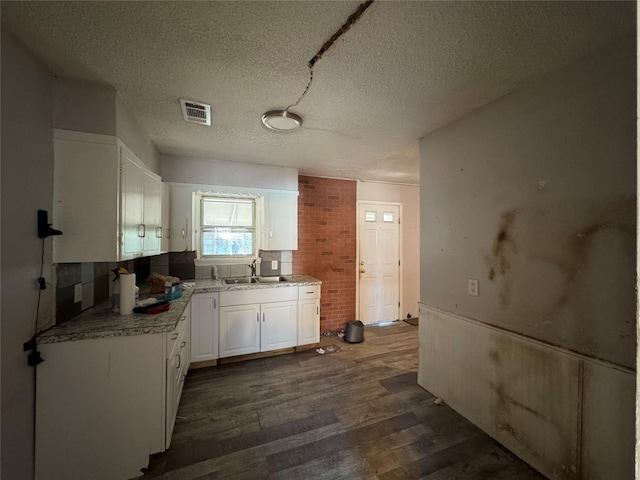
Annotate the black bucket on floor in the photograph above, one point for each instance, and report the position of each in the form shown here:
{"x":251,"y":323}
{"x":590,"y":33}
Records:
{"x":354,"y":333}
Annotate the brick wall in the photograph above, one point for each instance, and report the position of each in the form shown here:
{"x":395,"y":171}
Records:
{"x":327,"y":245}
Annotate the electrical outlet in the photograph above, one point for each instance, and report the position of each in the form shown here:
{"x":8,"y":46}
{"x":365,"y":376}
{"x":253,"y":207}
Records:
{"x":77,"y":293}
{"x":473,"y":287}
{"x":274,"y":264}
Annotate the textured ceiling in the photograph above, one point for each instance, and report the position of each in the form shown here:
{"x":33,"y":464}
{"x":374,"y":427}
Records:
{"x":401,"y":71}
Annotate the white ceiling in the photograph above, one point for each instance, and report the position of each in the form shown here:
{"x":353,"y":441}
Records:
{"x":401,"y":71}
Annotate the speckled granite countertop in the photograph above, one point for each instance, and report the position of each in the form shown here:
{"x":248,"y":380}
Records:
{"x":101,"y":322}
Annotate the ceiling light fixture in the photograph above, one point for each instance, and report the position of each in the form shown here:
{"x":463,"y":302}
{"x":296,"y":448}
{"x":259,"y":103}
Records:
{"x":286,"y":121}
{"x":281,"y":120}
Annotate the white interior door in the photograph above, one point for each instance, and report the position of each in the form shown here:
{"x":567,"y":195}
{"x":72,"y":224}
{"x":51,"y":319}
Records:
{"x":379,"y":261}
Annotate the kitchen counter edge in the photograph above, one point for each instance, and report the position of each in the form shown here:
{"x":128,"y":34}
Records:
{"x":100,"y":322}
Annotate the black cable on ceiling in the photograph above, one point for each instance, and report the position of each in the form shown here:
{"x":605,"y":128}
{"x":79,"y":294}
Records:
{"x":329,"y":43}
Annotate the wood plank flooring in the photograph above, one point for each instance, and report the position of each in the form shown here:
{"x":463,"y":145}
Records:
{"x":353,"y":414}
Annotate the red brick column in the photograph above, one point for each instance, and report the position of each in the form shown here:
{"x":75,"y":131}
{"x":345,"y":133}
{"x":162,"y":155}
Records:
{"x":327,"y":245}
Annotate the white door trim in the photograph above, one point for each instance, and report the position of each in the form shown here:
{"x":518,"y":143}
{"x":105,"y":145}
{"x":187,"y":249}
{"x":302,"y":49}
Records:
{"x":400,"y":253}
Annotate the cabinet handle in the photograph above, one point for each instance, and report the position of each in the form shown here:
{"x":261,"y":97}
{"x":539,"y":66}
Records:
{"x":215,"y":304}
{"x":174,"y":336}
{"x":258,"y":317}
{"x":158,"y":232}
{"x":183,"y":318}
{"x":168,"y":233}
{"x":142,"y":230}
{"x":317,"y":310}
{"x":179,"y":362}
{"x":263,"y":317}
{"x":185,"y":229}
{"x":310,"y":292}
{"x":183,"y":344}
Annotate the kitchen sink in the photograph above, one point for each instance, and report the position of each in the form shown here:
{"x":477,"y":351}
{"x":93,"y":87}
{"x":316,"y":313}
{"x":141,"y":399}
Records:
{"x":240,"y":280}
{"x":245,"y":280}
{"x":272,"y":279}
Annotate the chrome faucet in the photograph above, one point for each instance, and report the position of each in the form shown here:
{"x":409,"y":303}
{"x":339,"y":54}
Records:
{"x":253,"y":268}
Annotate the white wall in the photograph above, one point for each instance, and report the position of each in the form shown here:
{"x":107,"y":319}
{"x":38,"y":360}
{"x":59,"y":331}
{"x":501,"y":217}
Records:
{"x":96,"y":108}
{"x":409,"y":197}
{"x":219,"y":172}
{"x":135,"y":137}
{"x":27,"y":185}
{"x":84,"y":106}
{"x":535,"y":196}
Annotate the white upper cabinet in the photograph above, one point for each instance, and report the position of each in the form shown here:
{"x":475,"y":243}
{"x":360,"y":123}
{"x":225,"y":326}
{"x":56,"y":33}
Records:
{"x":180,"y":219}
{"x":86,"y":204}
{"x":132,"y":205}
{"x":281,"y":221}
{"x":106,"y":202}
{"x":164,"y":218}
{"x":151,"y":218}
{"x":141,"y":207}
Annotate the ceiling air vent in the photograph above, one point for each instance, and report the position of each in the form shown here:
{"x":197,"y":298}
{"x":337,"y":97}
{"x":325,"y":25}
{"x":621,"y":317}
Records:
{"x":196,"y":112}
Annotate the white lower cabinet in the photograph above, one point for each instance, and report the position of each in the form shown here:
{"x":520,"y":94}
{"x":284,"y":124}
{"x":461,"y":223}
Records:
{"x":279,"y":325}
{"x":257,"y":320}
{"x":204,"y":326}
{"x":178,"y":360}
{"x":308,"y":314}
{"x":239,"y":330}
{"x":112,"y":402}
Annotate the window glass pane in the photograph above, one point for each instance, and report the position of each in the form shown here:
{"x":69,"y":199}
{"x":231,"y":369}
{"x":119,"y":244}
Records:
{"x":387,"y":217}
{"x":227,"y":241}
{"x":370,"y":216}
{"x":227,"y":213}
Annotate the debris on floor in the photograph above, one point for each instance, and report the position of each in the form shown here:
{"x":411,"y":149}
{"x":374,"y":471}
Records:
{"x":327,"y":349}
{"x":437,"y":401}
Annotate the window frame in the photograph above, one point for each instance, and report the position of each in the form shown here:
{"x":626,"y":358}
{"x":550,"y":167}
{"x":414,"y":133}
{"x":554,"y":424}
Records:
{"x":200,"y":228}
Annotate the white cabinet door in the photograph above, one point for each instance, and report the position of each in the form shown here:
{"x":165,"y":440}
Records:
{"x":308,"y":321}
{"x":180,"y":211}
{"x":177,"y":366}
{"x":152,"y":202}
{"x":279,"y":325}
{"x":132,"y":205}
{"x":239,"y":330}
{"x":204,"y":327}
{"x":164,"y":218}
{"x":281,"y":229}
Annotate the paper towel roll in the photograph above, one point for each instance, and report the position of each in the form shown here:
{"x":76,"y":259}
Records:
{"x":127,"y":293}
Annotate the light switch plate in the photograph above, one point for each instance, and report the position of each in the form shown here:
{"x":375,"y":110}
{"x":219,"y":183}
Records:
{"x":274,"y":264}
{"x":473,"y":287}
{"x":77,"y":293}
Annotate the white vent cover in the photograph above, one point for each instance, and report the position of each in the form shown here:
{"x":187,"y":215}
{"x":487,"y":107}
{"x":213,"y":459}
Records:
{"x":196,"y":112}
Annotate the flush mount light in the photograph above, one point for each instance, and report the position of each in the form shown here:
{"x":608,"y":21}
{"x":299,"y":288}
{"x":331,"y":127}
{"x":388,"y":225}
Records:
{"x":281,"y":120}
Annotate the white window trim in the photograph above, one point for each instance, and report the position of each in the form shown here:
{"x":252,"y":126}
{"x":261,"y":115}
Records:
{"x":197,"y":238}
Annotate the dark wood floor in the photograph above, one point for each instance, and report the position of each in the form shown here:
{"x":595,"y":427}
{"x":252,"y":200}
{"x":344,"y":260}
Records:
{"x":353,"y":414}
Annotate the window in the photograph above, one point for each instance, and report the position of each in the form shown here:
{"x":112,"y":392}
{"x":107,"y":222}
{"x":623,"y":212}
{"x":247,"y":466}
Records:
{"x":227,"y":227}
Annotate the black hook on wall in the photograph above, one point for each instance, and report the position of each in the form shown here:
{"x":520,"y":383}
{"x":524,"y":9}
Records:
{"x":44,"y":227}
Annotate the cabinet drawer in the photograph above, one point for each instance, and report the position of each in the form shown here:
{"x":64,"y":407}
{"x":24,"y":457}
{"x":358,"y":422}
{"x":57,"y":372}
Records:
{"x":310,"y":291}
{"x":258,"y":295}
{"x":172,"y":337}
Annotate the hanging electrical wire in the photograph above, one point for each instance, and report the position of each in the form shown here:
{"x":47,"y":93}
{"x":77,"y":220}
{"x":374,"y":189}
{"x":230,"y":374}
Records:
{"x":329,"y":43}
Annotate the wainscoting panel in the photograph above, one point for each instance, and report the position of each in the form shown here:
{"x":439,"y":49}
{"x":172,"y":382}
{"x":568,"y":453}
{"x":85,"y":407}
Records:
{"x":608,"y":426}
{"x":530,"y":396}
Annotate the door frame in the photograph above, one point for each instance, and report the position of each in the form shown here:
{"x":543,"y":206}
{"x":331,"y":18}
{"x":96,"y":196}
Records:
{"x":359,"y":203}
